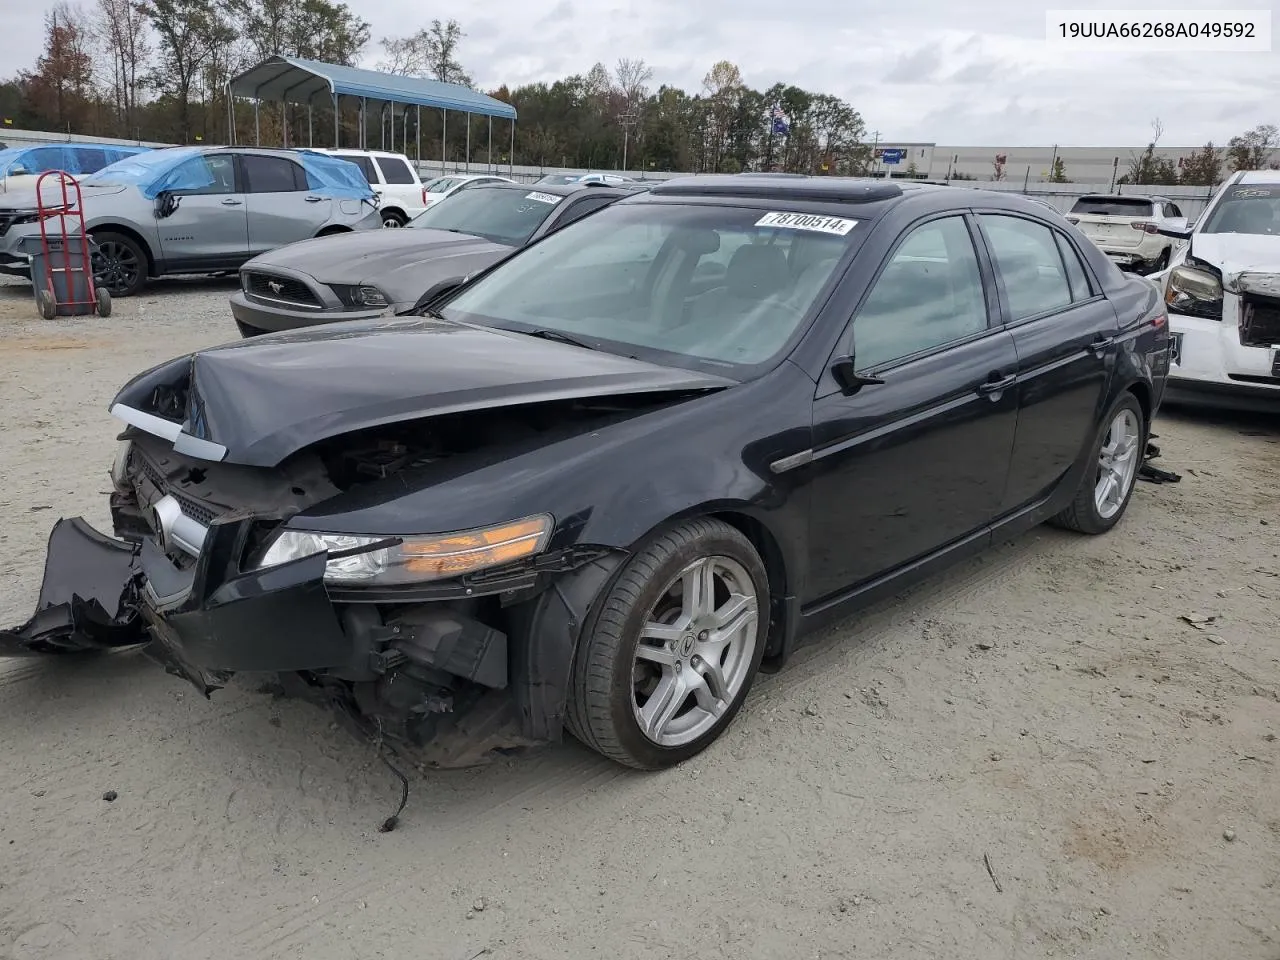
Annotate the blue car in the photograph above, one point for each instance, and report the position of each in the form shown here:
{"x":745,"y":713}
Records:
{"x":20,"y":167}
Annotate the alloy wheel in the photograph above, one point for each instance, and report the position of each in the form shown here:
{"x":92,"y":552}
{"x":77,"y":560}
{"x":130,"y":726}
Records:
{"x":695,"y":651}
{"x":1117,"y":463}
{"x":115,"y":266}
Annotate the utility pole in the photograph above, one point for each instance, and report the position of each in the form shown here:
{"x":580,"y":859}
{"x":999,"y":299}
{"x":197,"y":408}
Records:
{"x":628,"y":120}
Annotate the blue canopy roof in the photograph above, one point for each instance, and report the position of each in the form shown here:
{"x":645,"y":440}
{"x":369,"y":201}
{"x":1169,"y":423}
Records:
{"x":295,"y":80}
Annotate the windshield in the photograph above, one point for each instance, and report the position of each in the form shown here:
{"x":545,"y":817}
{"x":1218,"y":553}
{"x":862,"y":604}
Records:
{"x":713,"y":287}
{"x":439,"y":184}
{"x":496,"y":213}
{"x":1113,"y":207}
{"x":1247,"y":208}
{"x":560,"y":178}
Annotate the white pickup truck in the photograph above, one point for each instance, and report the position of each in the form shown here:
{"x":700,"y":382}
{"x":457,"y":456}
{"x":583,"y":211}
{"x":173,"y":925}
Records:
{"x":1127,"y":228}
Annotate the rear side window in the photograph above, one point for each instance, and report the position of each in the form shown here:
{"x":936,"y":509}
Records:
{"x":272,"y":175}
{"x":395,"y":170}
{"x":1113,"y":207}
{"x":1029,"y":264}
{"x":1076,"y":277}
{"x":365,"y":164}
{"x":1171,"y":210}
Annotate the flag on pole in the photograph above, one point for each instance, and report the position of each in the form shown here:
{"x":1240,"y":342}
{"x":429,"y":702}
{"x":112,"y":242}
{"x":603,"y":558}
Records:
{"x":780,"y":124}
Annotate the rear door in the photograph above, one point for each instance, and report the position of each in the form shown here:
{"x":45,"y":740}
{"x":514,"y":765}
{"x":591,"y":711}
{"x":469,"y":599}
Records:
{"x":209,"y":229}
{"x":400,"y":184}
{"x":905,"y":466}
{"x":1064,"y":331}
{"x":282,"y":209}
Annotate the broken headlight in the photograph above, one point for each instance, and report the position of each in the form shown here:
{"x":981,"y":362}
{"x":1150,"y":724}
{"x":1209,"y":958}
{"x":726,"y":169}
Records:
{"x":1194,"y":291}
{"x":414,"y":558}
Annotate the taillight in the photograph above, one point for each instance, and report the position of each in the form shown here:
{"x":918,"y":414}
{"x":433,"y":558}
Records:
{"x":424,"y":196}
{"x":1160,"y":319}
{"x":1144,"y":227}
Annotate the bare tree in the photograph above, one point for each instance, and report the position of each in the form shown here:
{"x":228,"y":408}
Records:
{"x":431,"y":52}
{"x":122,"y":29}
{"x":632,"y":78}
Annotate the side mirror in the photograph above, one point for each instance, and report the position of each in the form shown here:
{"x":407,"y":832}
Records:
{"x":19,"y":171}
{"x":849,"y":379}
{"x":166,"y":204}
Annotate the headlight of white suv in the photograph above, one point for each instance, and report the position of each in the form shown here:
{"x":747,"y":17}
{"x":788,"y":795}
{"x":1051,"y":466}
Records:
{"x":1195,"y":292}
{"x":415,"y":558}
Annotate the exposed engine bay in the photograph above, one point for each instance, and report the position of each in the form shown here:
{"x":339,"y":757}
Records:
{"x":446,"y":672}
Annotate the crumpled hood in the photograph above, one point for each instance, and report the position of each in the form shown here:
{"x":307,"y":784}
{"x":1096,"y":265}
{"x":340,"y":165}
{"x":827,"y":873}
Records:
{"x":1237,"y":254}
{"x":401,"y":263}
{"x":265,"y":398}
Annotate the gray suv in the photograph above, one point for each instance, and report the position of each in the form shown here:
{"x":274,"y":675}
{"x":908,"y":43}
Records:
{"x":199,"y":210}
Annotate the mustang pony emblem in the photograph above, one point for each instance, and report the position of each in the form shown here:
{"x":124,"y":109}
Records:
{"x":275,"y":286}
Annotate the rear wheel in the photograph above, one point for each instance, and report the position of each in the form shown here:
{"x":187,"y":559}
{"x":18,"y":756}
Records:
{"x":393,"y":219}
{"x":119,"y":264}
{"x":670,"y":653}
{"x":1106,"y":487}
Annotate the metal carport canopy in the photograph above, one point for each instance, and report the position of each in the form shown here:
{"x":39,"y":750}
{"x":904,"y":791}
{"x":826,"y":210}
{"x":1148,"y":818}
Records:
{"x":294,"y":80}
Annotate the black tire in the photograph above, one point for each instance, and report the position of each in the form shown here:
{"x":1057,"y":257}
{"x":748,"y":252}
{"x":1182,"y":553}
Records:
{"x":393,"y":219}
{"x":104,"y":303}
{"x":1083,"y":516}
{"x":1161,"y":262}
{"x":119,"y":265}
{"x":600,"y":710}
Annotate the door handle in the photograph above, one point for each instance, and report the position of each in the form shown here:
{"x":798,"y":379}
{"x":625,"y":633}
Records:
{"x":993,"y":388}
{"x":313,"y":199}
{"x":1099,"y":346}
{"x":229,"y":202}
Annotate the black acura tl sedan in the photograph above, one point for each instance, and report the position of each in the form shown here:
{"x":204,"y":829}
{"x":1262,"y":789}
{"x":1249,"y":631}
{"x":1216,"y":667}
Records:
{"x":603,"y":484}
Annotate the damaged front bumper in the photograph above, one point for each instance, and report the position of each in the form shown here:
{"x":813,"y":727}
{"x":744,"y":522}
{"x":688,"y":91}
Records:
{"x":427,"y":678}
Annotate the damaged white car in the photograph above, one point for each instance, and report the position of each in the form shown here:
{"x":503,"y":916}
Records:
{"x":1223,"y":294}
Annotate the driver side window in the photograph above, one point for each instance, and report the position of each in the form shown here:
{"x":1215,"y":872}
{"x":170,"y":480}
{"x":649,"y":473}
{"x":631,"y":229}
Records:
{"x":928,"y":294}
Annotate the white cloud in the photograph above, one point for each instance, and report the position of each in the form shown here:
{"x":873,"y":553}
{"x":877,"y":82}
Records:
{"x":957,"y":74}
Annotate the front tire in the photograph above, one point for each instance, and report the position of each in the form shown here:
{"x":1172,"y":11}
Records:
{"x":670,"y":652}
{"x":1106,"y":487}
{"x":119,"y":265}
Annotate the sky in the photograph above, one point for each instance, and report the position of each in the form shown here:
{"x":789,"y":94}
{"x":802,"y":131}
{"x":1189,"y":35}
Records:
{"x":977,"y":73}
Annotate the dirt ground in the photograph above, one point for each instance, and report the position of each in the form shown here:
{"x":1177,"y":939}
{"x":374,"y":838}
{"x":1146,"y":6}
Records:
{"x":1044,"y":753}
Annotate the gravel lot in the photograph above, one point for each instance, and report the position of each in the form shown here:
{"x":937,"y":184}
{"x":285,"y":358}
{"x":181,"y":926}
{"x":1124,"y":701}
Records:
{"x":1034,"y":755}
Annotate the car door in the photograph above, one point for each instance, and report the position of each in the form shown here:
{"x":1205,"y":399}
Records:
{"x":282,"y":209}
{"x":914,"y":425}
{"x":1064,"y":331}
{"x":208,"y":229}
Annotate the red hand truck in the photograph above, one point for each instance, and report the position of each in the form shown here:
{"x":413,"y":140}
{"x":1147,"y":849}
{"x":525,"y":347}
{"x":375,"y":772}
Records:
{"x":65,"y":251}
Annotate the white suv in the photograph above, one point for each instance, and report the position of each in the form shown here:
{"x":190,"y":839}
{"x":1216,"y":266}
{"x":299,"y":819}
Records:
{"x":393,"y":179}
{"x":1127,"y":228}
{"x":1223,"y":295}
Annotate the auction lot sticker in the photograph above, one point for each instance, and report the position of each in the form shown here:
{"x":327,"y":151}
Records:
{"x":807,"y":221}
{"x":542,"y":197}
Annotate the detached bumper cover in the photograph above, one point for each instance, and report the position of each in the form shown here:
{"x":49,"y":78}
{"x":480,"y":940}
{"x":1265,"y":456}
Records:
{"x":87,"y":599}
{"x":205,"y":622}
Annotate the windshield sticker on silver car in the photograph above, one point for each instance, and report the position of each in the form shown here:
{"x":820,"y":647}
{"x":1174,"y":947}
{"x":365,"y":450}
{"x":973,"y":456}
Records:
{"x":807,"y":221}
{"x":543,"y":197}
